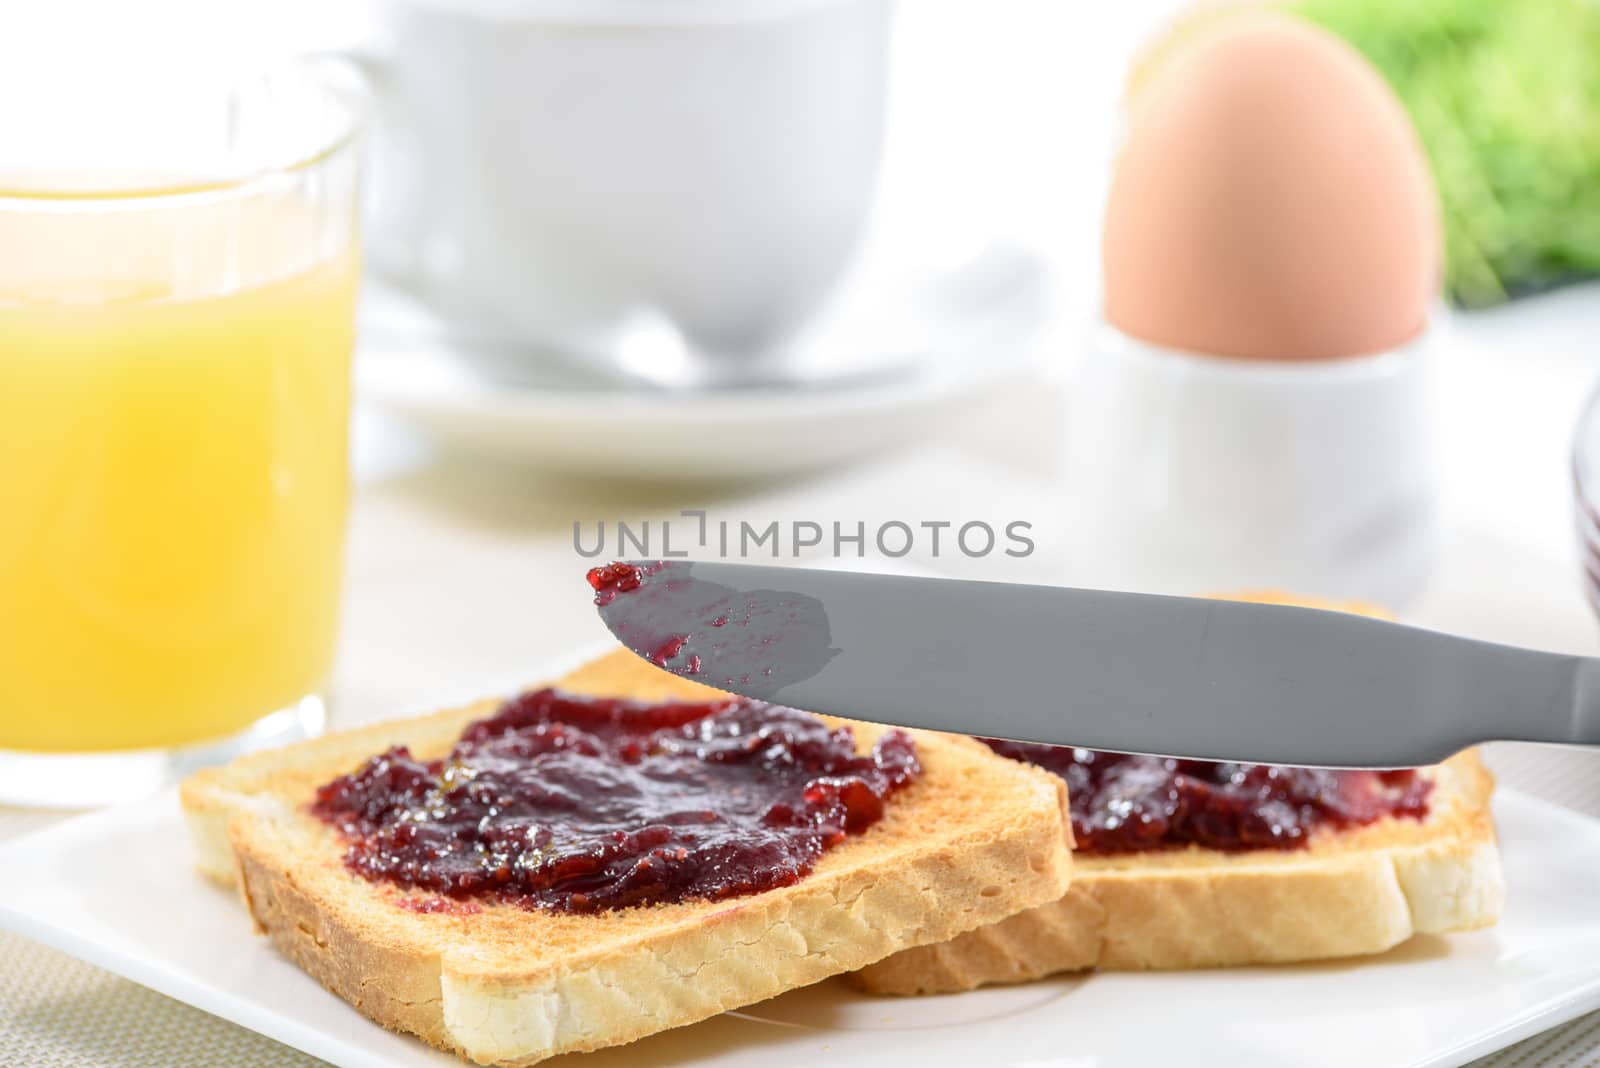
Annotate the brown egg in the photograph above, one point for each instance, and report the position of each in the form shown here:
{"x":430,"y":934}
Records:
{"x":1271,"y":201}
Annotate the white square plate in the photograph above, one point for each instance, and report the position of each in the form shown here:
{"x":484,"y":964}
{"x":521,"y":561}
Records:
{"x":116,"y":889}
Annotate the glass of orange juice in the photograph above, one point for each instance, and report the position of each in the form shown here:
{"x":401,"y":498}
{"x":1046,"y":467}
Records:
{"x":177,"y":295}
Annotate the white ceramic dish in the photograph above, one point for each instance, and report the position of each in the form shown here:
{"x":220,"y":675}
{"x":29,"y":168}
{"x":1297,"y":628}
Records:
{"x":900,"y":355}
{"x":115,"y":888}
{"x":1188,"y":471}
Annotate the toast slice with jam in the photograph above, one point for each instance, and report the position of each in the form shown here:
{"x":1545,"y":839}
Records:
{"x":577,"y":944}
{"x":1342,"y":887}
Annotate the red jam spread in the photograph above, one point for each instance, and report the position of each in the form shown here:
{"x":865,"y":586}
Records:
{"x":583,"y":804}
{"x":1125,"y":804}
{"x":615,"y":578}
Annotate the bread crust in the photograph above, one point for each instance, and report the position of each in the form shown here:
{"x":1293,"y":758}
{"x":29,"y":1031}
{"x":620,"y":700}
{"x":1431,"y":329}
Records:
{"x":1351,"y":893}
{"x":974,"y":839}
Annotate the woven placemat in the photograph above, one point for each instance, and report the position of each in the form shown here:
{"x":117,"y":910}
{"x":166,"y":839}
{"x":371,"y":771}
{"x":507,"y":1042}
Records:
{"x":56,"y":1012}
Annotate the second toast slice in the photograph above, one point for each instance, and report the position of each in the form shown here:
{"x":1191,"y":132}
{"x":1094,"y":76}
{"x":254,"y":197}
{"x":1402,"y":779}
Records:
{"x":974,"y":839}
{"x":1351,"y":893}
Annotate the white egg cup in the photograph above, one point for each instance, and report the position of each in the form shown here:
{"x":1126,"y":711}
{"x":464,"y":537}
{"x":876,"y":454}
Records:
{"x":1193,"y":474}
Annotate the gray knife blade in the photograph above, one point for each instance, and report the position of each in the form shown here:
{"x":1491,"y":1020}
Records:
{"x":1175,"y":676}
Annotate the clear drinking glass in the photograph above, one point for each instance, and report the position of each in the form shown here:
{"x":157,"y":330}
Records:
{"x":177,"y":289}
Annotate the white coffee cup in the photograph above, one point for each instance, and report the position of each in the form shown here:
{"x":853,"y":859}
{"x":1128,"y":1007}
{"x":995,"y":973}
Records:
{"x":559,"y":175}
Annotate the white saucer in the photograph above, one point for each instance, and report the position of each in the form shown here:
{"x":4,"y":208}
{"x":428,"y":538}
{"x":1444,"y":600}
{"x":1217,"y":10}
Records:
{"x":896,"y":356}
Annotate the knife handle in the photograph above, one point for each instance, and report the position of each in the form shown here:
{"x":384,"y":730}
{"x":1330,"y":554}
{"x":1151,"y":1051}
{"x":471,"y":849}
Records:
{"x":1586,"y":702}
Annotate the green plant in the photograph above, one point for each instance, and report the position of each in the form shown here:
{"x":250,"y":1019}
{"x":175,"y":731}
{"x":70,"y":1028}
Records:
{"x":1505,"y":95}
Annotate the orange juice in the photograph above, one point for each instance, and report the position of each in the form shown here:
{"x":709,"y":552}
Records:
{"x":174,"y":405}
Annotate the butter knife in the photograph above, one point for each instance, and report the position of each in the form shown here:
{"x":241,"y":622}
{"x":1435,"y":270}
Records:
{"x":1176,"y":676}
